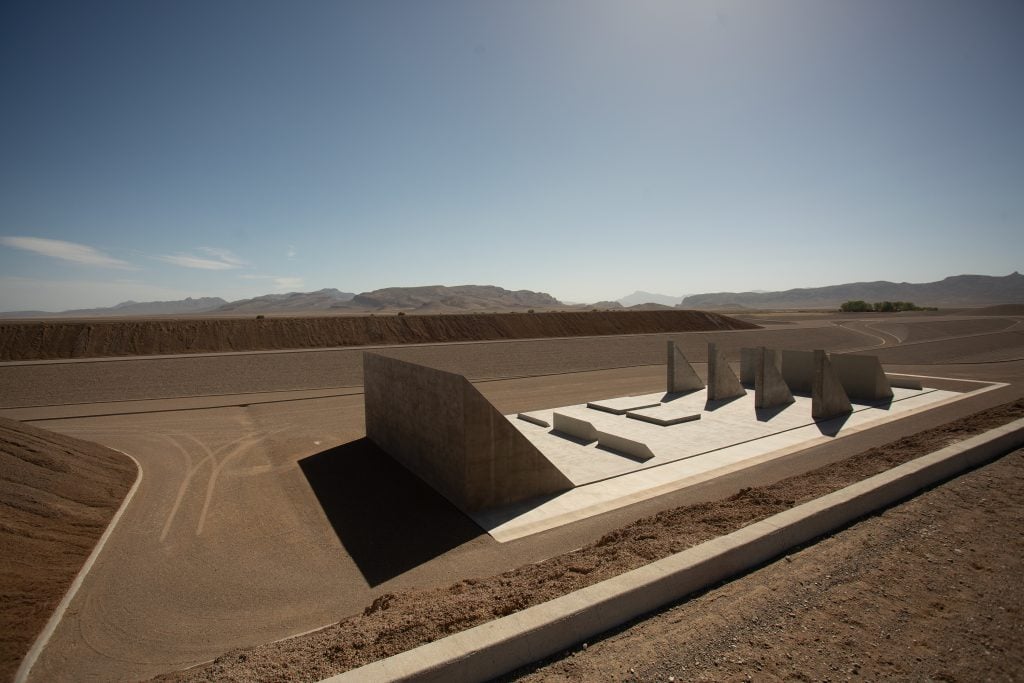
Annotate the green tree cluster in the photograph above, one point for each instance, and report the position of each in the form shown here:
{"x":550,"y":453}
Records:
{"x":879,"y":307}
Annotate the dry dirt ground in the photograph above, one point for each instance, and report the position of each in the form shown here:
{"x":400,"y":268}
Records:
{"x":57,"y":495}
{"x":251,"y":521}
{"x":28,"y":340}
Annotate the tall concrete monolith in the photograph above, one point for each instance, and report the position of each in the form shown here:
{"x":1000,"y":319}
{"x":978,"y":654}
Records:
{"x":828,"y":398}
{"x":798,"y":370}
{"x":681,"y":375}
{"x":770,"y":390}
{"x":722,"y":382}
{"x":442,"y":429}
{"x":862,"y":377}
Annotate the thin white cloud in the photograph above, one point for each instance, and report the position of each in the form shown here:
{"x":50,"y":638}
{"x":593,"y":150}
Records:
{"x":66,"y":251}
{"x":281,"y":282}
{"x":214,"y":259}
{"x":291,"y":253}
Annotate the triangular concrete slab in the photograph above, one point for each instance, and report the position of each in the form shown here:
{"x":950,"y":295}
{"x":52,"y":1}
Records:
{"x":828,"y":398}
{"x":770,"y":390}
{"x":681,"y":375}
{"x":722,"y":381}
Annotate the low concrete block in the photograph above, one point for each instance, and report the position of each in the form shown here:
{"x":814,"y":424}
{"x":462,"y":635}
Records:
{"x":533,"y":419}
{"x":621,"y":444}
{"x":828,"y":399}
{"x":862,"y":376}
{"x":770,"y":389}
{"x":748,"y":366}
{"x":722,"y":381}
{"x":574,"y":426}
{"x":798,"y":370}
{"x":443,"y":430}
{"x":663,"y":415}
{"x":681,"y":375}
{"x":621,"y":406}
{"x":904,"y":382}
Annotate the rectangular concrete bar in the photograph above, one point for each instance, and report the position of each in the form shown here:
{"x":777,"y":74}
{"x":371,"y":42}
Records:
{"x":574,"y":426}
{"x":664,"y":415}
{"x":621,"y":406}
{"x":621,"y":444}
{"x":443,"y":430}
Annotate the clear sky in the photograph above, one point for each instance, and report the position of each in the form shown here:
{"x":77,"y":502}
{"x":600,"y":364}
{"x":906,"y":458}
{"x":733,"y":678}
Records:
{"x":154,"y":150}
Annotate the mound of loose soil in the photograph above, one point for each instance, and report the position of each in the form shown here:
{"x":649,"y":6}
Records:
{"x":401,"y":621}
{"x":57,"y":495}
{"x":27,"y":340}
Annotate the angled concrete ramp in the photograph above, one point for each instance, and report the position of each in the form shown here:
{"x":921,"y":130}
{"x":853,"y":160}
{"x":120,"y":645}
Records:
{"x":442,"y":429}
{"x":681,"y":375}
{"x":828,"y":398}
{"x":770,"y":390}
{"x":624,"y":445}
{"x":798,"y":370}
{"x":862,"y":377}
{"x":574,"y":427}
{"x":722,"y":382}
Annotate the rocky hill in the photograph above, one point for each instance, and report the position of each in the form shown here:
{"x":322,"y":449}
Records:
{"x":458,"y":298}
{"x":959,"y":290}
{"x":133,"y":308}
{"x":293,"y":302}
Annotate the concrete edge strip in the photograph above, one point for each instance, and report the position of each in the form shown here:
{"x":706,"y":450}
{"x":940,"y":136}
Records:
{"x":44,"y":636}
{"x":505,"y":644}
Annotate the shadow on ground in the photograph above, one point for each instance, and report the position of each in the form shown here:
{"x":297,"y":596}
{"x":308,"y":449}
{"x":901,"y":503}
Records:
{"x":388,"y":520}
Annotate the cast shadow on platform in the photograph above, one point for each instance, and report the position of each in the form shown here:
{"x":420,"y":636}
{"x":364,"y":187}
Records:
{"x":387,"y":518}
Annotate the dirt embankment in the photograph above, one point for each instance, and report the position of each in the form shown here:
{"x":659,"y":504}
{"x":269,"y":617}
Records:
{"x":26,"y":340}
{"x":57,"y":495}
{"x":401,"y":621}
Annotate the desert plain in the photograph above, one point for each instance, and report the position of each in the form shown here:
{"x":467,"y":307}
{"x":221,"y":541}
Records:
{"x":269,"y":539}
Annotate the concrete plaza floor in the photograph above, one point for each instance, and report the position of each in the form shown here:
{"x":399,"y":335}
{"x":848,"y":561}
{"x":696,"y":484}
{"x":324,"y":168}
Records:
{"x":729,"y":436}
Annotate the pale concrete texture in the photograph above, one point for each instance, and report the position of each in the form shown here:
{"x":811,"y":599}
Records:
{"x":862,"y":376}
{"x":748,"y":365}
{"x":681,"y":375}
{"x":621,"y":406}
{"x":441,"y":428}
{"x":574,"y":427}
{"x":798,"y":370}
{"x":664,"y":415}
{"x":722,"y":382}
{"x":828,"y":398}
{"x":621,"y":444}
{"x":770,"y":390}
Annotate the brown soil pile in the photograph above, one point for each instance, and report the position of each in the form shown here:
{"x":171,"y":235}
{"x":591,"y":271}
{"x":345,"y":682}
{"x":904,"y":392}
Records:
{"x":57,"y":495}
{"x":398,"y":622}
{"x":82,"y":339}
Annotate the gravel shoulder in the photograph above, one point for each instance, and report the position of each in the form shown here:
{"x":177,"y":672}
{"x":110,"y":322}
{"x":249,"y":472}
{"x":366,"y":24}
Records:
{"x":395,"y":622}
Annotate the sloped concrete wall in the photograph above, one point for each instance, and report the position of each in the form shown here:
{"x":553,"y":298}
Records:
{"x":722,"y":381}
{"x":681,"y":375}
{"x":828,"y":398}
{"x":443,"y":430}
{"x":770,"y":389}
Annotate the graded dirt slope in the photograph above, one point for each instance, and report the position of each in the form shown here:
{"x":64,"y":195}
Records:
{"x":57,"y":495}
{"x":27,"y":340}
{"x":399,"y":621}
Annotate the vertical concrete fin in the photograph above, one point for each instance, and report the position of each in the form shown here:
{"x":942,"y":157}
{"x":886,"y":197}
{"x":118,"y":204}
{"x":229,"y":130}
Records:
{"x":862,"y":377}
{"x":770,"y":390}
{"x":828,"y":398}
{"x":722,"y":382}
{"x":681,"y":375}
{"x":441,"y":428}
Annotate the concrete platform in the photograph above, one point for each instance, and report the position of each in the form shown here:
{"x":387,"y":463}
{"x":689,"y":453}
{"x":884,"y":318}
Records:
{"x":664,"y":415}
{"x":621,"y":406}
{"x":728,"y":437}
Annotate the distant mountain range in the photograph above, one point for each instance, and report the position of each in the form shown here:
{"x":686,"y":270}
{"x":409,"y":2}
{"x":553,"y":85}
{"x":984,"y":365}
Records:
{"x":960,"y":290}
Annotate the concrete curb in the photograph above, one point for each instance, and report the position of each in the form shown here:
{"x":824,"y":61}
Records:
{"x":44,"y":636}
{"x":505,"y":644}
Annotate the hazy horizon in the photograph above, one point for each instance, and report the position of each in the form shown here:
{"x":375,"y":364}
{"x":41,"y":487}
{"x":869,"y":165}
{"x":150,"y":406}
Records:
{"x":583,"y":149}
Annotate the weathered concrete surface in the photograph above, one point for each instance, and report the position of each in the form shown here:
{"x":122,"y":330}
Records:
{"x":574,"y":427}
{"x":748,"y":366}
{"x":722,"y":382}
{"x":828,"y":398}
{"x":770,"y":390}
{"x":681,"y":375}
{"x":443,"y":430}
{"x":862,"y":376}
{"x":798,"y":370}
{"x":637,"y":450}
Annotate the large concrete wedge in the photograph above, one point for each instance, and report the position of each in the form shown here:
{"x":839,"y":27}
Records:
{"x":828,"y":398}
{"x":862,"y":377}
{"x":722,"y":382}
{"x":442,"y":429}
{"x":770,"y":390}
{"x":681,"y":375}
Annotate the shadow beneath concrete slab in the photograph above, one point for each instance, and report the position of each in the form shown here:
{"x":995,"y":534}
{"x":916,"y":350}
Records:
{"x":831,"y":426}
{"x":387,"y":518}
{"x":572,"y":438}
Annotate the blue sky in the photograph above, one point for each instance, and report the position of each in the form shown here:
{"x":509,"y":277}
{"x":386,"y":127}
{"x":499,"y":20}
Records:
{"x":155,"y":150}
